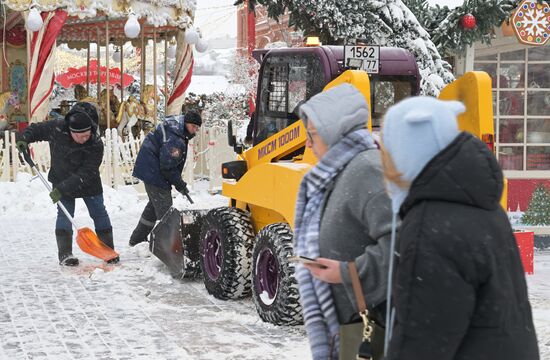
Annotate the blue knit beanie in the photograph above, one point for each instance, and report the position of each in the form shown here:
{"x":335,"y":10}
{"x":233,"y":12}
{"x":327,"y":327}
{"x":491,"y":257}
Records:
{"x":414,"y":131}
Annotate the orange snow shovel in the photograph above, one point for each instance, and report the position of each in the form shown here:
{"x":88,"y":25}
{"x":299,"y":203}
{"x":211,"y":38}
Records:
{"x":86,"y":239}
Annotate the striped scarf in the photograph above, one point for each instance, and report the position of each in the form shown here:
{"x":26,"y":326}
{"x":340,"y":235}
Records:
{"x":320,"y":316}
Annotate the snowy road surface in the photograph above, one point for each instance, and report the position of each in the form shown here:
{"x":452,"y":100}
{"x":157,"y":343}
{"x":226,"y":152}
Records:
{"x":135,"y":310}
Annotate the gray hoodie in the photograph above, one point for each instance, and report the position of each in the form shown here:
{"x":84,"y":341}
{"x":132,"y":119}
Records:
{"x":336,"y":112}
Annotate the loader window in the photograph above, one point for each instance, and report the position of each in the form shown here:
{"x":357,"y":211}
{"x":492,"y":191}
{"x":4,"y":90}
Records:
{"x":286,"y":81}
{"x":386,"y":91}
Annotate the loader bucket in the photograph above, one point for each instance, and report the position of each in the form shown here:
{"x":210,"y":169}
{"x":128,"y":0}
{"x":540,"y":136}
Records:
{"x":88,"y":242}
{"x":175,"y":241}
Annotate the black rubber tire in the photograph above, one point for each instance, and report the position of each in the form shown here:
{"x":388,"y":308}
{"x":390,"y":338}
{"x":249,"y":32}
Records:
{"x":284,"y":307}
{"x":236,"y":237}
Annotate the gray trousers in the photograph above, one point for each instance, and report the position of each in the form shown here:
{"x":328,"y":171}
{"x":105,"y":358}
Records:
{"x":160,"y":201}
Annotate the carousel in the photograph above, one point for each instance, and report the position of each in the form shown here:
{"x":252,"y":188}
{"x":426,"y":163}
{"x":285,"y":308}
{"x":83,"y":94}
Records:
{"x":104,"y":30}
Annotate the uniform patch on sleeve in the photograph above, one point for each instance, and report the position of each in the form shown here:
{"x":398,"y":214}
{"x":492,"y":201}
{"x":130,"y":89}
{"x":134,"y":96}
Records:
{"x":175,"y":152}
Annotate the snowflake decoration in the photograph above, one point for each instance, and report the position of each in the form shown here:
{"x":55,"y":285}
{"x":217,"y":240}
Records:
{"x":531,"y":22}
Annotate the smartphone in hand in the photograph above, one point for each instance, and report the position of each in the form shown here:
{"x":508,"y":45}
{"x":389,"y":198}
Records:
{"x":306,"y":260}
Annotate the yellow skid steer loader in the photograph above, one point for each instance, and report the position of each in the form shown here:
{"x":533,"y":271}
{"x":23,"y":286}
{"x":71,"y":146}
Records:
{"x":242,"y":249}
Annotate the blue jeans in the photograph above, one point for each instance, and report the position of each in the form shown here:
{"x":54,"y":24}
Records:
{"x":96,"y":209}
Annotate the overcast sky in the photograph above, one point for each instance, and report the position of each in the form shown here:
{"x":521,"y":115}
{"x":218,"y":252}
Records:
{"x":217,"y":18}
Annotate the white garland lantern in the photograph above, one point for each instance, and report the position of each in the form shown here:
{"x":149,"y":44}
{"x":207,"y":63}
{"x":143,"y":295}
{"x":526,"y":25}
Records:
{"x":201,"y":46}
{"x":132,"y":27}
{"x":191,"y":36}
{"x":171,"y":53}
{"x":117,"y":55}
{"x":34,"y":21}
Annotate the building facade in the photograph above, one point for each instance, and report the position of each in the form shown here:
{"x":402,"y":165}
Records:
{"x":268,"y":31}
{"x":521,"y":110}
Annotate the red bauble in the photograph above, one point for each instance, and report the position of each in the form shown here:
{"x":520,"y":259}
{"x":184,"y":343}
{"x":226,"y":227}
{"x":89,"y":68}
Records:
{"x":468,"y":21}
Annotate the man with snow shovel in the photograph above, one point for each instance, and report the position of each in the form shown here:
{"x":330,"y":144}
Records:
{"x":76,"y":153}
{"x":159,"y":165}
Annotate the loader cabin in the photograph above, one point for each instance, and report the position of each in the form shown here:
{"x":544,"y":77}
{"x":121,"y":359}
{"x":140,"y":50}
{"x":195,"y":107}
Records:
{"x":290,"y":76}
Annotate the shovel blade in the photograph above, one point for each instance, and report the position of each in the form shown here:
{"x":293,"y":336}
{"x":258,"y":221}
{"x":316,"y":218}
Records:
{"x":88,"y":242}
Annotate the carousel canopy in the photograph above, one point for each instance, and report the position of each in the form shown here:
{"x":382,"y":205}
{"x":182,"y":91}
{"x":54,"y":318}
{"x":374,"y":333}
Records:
{"x":87,"y":18}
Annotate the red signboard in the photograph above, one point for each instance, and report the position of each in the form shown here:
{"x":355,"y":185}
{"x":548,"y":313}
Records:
{"x":75,"y":76}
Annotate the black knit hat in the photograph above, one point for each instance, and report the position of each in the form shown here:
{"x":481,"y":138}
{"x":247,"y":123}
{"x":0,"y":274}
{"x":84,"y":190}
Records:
{"x":82,"y":117}
{"x":192,"y":117}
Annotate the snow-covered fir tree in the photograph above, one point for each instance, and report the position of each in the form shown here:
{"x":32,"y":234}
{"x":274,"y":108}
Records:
{"x":380,"y":22}
{"x":245,"y":73}
{"x":538,"y":211}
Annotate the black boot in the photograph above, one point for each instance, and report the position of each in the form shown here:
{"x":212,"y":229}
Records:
{"x":65,"y":247}
{"x":106,"y":236}
{"x":140,"y":234}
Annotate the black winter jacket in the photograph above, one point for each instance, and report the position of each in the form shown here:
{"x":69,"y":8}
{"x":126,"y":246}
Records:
{"x":74,"y":167}
{"x":459,"y":290}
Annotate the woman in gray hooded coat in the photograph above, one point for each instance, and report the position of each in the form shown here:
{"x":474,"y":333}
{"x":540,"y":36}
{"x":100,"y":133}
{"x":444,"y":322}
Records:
{"x":342,"y":214}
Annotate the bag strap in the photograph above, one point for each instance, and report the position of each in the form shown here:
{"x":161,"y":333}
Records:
{"x":363,"y":312}
{"x":357,"y":290}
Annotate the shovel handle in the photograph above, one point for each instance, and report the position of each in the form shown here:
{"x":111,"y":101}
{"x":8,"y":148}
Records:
{"x":29,"y":161}
{"x":189,"y":198}
{"x":28,"y":158}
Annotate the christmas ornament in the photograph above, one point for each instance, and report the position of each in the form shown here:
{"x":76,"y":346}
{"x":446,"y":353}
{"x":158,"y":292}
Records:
{"x":531,"y":22}
{"x":468,"y":21}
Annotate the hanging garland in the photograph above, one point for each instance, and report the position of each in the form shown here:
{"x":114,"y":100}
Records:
{"x":453,"y":30}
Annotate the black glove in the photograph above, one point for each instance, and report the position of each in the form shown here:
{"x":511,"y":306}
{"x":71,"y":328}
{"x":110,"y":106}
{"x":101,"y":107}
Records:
{"x":184,"y":191}
{"x":182,"y":188}
{"x":22,"y":146}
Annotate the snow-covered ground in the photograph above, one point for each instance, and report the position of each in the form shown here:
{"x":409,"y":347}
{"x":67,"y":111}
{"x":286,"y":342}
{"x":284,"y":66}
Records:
{"x":136,"y":310}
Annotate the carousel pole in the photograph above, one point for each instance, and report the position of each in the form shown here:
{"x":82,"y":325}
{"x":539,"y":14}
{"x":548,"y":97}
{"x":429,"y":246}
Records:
{"x":29,"y":102}
{"x":108,"y":105}
{"x":165,"y":73}
{"x":155,"y":73}
{"x":121,"y":70}
{"x":88,"y":66}
{"x":98,"y":68}
{"x":143,"y":63}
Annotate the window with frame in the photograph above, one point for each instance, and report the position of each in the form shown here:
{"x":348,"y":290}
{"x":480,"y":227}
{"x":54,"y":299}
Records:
{"x":521,"y":106}
{"x":287,"y":81}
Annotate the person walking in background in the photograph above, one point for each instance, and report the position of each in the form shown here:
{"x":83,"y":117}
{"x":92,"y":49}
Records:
{"x":459,"y":289}
{"x":342,"y":214}
{"x":76,"y":153}
{"x":159,"y":165}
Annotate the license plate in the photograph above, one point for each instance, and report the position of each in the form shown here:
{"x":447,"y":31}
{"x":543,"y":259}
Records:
{"x":361,"y":57}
